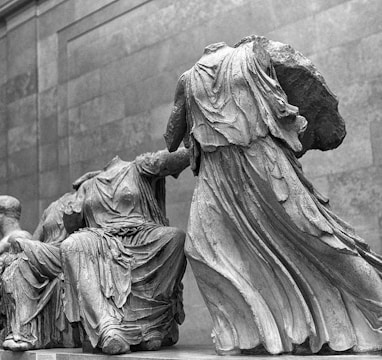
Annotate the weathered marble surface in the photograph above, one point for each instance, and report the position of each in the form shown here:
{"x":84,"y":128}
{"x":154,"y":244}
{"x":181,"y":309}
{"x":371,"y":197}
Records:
{"x":113,"y":227}
{"x":278,"y":269}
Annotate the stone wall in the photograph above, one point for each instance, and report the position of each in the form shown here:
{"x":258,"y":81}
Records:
{"x":81,"y":81}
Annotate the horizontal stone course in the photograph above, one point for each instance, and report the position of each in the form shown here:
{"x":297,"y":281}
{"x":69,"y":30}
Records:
{"x":84,"y":88}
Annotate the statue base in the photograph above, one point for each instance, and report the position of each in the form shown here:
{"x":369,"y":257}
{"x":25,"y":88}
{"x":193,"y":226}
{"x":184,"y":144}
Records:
{"x":193,"y":352}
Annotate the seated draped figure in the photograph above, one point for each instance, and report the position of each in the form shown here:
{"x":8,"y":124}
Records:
{"x":278,"y":270}
{"x":107,"y":262}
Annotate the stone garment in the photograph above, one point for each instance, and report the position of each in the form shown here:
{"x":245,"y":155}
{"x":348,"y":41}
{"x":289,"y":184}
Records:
{"x":32,"y":285}
{"x":123,"y":271}
{"x":276,"y":267}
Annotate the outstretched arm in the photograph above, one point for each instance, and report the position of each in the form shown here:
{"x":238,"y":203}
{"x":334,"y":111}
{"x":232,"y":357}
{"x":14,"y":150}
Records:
{"x":163,"y":163}
{"x":177,"y":124}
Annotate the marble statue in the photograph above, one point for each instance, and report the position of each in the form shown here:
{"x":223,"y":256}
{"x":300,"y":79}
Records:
{"x":278,"y":270}
{"x":123,"y":269}
{"x":32,"y":280}
{"x":107,"y":262}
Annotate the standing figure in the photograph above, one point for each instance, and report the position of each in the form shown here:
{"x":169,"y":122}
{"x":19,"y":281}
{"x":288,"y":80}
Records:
{"x":32,"y":279}
{"x":123,"y":271}
{"x":278,"y":270}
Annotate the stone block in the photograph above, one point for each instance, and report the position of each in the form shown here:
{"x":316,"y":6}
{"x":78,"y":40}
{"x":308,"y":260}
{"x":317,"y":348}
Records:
{"x":48,"y":49}
{"x":150,"y":93}
{"x":301,"y":35}
{"x":22,"y":111}
{"x":371,"y":47}
{"x":62,"y":124}
{"x":54,"y":182}
{"x":158,"y":120}
{"x":97,"y":54}
{"x":113,"y":136}
{"x":351,"y":155}
{"x":127,"y":71}
{"x":233,"y":24}
{"x":134,"y":103}
{"x":53,"y":20}
{"x":3,"y":108}
{"x":85,"y":116}
{"x":86,"y":7}
{"x":62,"y":97}
{"x":374,"y":95}
{"x":3,"y":168}
{"x":357,"y":192}
{"x":63,"y":151}
{"x":3,"y":49}
{"x":376,"y":141}
{"x":346,"y":22}
{"x":136,"y":131}
{"x":342,"y":65}
{"x":48,"y":157}
{"x":367,"y":227}
{"x":48,"y":75}
{"x":353,"y":100}
{"x":84,"y":146}
{"x":112,"y":106}
{"x":21,"y":49}
{"x":29,"y":217}
{"x":3,"y":142}
{"x":20,"y":38}
{"x":113,"y":76}
{"x":284,"y":13}
{"x":84,"y":88}
{"x":22,"y":137}
{"x":22,"y":162}
{"x":21,"y":63}
{"x":24,"y":188}
{"x":47,"y":101}
{"x":18,"y":18}
{"x":3,"y":71}
{"x":3,"y":186}
{"x":21,"y":86}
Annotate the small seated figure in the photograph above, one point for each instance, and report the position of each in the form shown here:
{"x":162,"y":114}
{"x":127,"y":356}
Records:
{"x":32,"y":280}
{"x":123,"y":271}
{"x":10,"y":212}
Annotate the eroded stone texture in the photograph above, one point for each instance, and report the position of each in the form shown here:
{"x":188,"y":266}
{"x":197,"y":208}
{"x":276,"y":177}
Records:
{"x":307,"y":89}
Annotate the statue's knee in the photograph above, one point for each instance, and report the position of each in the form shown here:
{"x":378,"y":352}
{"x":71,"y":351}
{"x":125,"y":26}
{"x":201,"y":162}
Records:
{"x":69,"y":244}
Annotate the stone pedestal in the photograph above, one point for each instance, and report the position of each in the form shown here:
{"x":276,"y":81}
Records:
{"x":194,"y":352}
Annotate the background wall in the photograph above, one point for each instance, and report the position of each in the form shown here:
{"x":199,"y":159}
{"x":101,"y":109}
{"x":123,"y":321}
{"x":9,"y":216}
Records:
{"x":81,"y":81}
